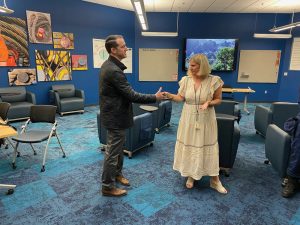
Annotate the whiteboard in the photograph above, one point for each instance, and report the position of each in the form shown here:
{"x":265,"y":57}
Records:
{"x":259,"y":66}
{"x":295,"y":55}
{"x":158,"y":64}
{"x":128,"y":61}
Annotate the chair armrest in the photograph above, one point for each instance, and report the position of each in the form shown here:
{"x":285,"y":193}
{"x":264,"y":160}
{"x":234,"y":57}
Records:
{"x":30,"y":97}
{"x":277,"y":148}
{"x":226,"y":107}
{"x":51,"y":96}
{"x":262,"y":118}
{"x":57,"y":101}
{"x":236,"y":136}
{"x":79,"y":93}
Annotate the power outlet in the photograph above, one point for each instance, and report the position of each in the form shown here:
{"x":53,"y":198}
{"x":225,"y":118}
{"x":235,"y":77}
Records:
{"x":285,"y":74}
{"x":266,"y":92}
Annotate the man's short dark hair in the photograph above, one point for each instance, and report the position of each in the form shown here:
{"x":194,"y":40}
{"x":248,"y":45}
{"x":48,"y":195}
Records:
{"x":110,"y":42}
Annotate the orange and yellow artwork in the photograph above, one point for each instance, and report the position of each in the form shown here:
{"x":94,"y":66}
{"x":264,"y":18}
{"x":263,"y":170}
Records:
{"x":63,"y":40}
{"x":13,"y":42}
{"x":79,"y":62}
{"x":53,"y":65}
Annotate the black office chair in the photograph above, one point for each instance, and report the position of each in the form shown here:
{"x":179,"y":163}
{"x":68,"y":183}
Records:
{"x":4,"y":107}
{"x":39,"y":114}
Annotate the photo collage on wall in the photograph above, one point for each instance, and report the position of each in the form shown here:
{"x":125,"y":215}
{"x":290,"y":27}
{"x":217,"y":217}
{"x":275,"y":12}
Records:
{"x":51,"y":65}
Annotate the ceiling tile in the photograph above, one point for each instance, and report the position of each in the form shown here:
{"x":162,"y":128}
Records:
{"x":124,"y":4}
{"x":182,"y":5}
{"x":227,"y":6}
{"x":222,"y":4}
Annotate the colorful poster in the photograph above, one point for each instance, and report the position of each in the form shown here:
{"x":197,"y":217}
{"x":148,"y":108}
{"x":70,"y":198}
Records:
{"x":53,"y":65}
{"x":18,"y":77}
{"x":99,"y":52}
{"x":39,"y":27}
{"x":13,"y":42}
{"x":79,"y":62}
{"x":63,"y":40}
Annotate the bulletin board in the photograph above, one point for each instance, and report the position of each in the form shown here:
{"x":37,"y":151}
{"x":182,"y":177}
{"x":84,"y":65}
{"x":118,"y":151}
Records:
{"x":259,"y":66}
{"x":158,"y":64}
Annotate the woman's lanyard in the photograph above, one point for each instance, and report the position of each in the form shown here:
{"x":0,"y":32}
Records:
{"x":197,"y":104}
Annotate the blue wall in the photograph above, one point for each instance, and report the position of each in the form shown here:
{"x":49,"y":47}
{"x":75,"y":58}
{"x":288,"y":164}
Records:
{"x":240,"y":26}
{"x":88,"y":21}
{"x":290,"y":84}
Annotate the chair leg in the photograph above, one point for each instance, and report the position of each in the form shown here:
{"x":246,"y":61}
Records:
{"x":34,"y":152}
{"x":64,"y":154}
{"x":45,"y":152}
{"x":15,"y":155}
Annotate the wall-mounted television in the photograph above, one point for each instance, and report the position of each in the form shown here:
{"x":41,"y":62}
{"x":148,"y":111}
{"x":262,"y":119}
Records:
{"x":221,"y":53}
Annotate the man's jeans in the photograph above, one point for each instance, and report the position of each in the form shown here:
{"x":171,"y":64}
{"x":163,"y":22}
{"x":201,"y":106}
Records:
{"x":113,"y":162}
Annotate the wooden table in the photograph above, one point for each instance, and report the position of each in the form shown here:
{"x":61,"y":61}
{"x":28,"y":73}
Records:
{"x":246,"y":91}
{"x":5,"y":132}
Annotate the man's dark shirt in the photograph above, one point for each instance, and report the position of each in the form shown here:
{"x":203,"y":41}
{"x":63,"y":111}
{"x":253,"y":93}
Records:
{"x":116,"y":96}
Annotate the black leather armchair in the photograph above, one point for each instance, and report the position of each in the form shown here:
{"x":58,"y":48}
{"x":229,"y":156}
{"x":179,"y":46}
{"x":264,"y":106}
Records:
{"x":137,"y":137}
{"x":228,"y":139}
{"x":67,"y":99}
{"x":164,"y":114}
{"x":20,"y":102}
{"x":229,"y":107}
{"x":277,"y":149}
{"x":277,"y":114}
{"x":161,"y":117}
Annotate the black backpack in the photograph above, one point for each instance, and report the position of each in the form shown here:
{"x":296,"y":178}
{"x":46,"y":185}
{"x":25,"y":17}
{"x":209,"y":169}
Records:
{"x":291,"y":126}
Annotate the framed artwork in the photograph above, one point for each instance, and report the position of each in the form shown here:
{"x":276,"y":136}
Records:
{"x":99,"y":52}
{"x":13,"y":42}
{"x":79,"y":62}
{"x":18,"y":77}
{"x":39,"y":27}
{"x":53,"y":65}
{"x":63,"y":40}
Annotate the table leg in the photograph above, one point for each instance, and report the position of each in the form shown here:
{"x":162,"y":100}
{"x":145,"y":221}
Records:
{"x":245,"y":104}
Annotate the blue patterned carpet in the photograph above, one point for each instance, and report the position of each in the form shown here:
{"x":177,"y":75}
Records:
{"x":68,"y":191}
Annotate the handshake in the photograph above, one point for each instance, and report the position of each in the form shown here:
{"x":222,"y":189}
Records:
{"x":162,"y":95}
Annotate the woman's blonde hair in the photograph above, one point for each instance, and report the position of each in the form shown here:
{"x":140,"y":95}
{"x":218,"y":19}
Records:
{"x":201,"y":60}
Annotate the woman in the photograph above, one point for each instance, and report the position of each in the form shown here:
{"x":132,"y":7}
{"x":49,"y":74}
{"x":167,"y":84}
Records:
{"x":197,"y":150}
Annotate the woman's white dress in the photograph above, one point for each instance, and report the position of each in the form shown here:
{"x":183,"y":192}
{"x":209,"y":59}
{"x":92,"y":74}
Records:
{"x":197,"y":149}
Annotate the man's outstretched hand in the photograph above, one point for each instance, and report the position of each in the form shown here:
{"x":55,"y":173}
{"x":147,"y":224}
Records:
{"x":160,"y":95}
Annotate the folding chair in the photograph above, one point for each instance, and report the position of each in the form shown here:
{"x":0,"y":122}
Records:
{"x":4,"y":107}
{"x":39,"y":114}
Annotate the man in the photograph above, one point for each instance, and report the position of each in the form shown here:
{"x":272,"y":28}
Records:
{"x":116,"y":97}
{"x":292,"y":126}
